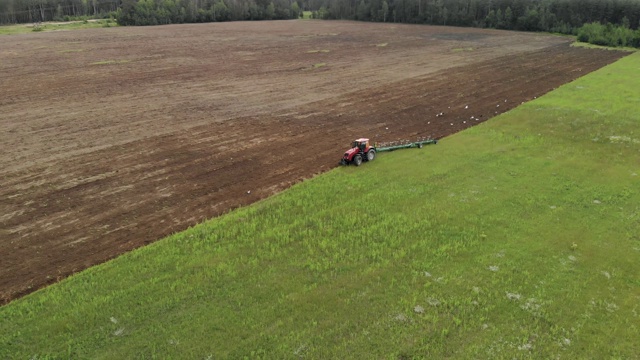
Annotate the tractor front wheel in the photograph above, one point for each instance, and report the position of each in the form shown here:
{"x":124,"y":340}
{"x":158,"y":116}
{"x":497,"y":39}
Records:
{"x":357,"y":160}
{"x":371,"y":155}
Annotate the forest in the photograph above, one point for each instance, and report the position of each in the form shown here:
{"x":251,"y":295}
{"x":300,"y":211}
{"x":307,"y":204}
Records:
{"x":601,"y":22}
{"x":529,"y":15}
{"x":610,"y":22}
{"x":147,"y":12}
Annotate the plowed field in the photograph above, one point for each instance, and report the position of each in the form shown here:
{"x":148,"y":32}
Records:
{"x":113,"y":138}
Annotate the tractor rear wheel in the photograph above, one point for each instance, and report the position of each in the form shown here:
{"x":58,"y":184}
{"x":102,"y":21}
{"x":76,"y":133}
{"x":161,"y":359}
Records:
{"x":357,"y":160}
{"x":371,"y":155}
{"x":419,"y":145}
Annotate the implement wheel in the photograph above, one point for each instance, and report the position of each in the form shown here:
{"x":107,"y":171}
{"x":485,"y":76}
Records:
{"x":357,"y":160}
{"x":371,"y":155}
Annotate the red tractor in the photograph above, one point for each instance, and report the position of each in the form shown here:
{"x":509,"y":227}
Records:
{"x":360,"y":151}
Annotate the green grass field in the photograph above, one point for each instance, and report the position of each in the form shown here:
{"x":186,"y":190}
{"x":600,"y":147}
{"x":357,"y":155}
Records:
{"x":518,"y":238}
{"x":73,"y":25}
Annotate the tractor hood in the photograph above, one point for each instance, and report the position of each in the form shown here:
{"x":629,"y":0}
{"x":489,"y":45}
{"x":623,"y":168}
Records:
{"x":349,"y":153}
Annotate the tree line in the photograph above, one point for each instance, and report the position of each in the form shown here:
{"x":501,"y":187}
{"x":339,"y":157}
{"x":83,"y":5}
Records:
{"x":609,"y":21}
{"x":609,"y":35}
{"x":157,"y":12}
{"x":31,"y":11}
{"x":562,"y":16}
{"x":147,"y":12}
{"x":603,"y":22}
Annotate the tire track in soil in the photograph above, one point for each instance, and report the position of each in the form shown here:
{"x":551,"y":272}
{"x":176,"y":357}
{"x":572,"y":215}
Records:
{"x":63,"y":217}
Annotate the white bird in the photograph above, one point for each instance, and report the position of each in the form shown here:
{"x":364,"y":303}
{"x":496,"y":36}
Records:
{"x":498,"y":105}
{"x":249,"y":192}
{"x":466,"y":107}
{"x":451,"y":124}
{"x":464,"y":122}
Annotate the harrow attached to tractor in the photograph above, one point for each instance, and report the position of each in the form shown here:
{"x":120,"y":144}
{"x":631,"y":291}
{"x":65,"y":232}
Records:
{"x":361,"y":150}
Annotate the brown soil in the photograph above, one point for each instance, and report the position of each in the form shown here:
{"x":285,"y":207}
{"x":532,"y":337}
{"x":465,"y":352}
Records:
{"x":114,"y":138}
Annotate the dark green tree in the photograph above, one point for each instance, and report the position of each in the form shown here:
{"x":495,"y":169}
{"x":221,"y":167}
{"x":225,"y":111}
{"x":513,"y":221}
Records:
{"x":363,"y":11}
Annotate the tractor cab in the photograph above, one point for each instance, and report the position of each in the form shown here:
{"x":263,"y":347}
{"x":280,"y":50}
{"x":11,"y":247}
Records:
{"x":362,"y":144}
